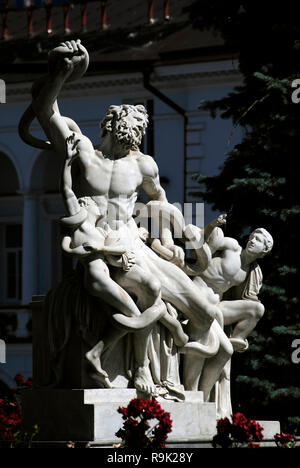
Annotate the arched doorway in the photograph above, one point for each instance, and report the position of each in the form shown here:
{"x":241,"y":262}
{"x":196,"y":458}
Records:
{"x":46,"y":172}
{"x":45,"y":185}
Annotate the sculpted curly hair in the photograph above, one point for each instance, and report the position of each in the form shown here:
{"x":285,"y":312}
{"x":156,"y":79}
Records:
{"x":115,"y":121}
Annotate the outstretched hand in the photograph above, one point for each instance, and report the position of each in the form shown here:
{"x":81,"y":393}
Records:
{"x":72,"y":150}
{"x":221,"y":220}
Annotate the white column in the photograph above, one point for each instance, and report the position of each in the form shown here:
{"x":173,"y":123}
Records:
{"x":30,"y":247}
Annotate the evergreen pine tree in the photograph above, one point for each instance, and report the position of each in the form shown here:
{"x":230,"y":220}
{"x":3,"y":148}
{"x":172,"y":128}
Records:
{"x":259,"y":186}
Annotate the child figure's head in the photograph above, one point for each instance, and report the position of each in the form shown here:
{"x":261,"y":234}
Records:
{"x":90,"y":205}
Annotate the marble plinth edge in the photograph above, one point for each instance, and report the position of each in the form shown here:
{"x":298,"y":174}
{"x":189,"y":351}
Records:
{"x":91,"y":415}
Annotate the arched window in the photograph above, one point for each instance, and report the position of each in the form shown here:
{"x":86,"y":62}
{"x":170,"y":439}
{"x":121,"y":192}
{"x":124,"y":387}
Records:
{"x":46,"y":172}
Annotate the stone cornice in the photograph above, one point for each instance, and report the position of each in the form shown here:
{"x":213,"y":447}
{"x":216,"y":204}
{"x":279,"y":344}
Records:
{"x":193,"y":75}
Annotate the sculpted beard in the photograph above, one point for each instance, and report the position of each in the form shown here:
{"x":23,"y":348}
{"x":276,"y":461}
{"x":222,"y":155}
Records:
{"x":127,"y":136}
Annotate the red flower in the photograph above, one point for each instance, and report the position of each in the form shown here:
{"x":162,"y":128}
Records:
{"x":29,"y":382}
{"x":135,"y":432}
{"x":255,"y":431}
{"x":19,"y":379}
{"x":237,"y":432}
{"x":284,"y":440}
{"x":224,"y":425}
{"x":123,"y":411}
{"x":10,"y":419}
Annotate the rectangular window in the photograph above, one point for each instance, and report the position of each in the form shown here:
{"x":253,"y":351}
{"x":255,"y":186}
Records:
{"x":11,"y":262}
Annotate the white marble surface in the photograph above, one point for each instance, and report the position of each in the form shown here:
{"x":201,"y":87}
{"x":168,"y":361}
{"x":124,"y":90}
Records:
{"x":92,"y":415}
{"x":148,"y":292}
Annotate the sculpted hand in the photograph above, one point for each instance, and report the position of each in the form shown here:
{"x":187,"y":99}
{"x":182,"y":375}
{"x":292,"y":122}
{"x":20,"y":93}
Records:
{"x":221,"y":220}
{"x":128,"y":260}
{"x":67,"y":56}
{"x":192,"y":233}
{"x":114,"y":261}
{"x":143,"y":234}
{"x":178,"y":255}
{"x":72,"y":150}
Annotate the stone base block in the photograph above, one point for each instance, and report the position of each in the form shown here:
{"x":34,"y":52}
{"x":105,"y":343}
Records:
{"x":91,"y":415}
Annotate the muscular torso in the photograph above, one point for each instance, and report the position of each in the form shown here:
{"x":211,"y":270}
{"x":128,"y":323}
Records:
{"x":225,"y":271}
{"x":114,"y":186}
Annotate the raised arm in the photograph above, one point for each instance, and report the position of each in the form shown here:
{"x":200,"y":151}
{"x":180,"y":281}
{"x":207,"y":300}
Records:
{"x":69,"y":197}
{"x":219,"y":221}
{"x":217,"y":241}
{"x":64,"y":61}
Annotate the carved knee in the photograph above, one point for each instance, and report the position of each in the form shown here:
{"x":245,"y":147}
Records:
{"x":255,"y":310}
{"x":259,"y":310}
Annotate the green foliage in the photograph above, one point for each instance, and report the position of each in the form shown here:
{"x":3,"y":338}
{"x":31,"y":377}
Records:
{"x":258,"y":186}
{"x":24,"y":439}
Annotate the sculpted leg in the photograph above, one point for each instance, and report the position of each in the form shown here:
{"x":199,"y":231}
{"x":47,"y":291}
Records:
{"x":178,"y":289}
{"x":99,"y":284}
{"x":172,"y":324}
{"x":213,"y":367}
{"x":245,"y":314}
{"x":93,"y":355}
{"x":192,"y":368}
{"x":146,"y":288}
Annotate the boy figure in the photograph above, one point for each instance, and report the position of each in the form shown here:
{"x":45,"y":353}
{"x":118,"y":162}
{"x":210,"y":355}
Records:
{"x":235,"y":267}
{"x":231,"y":266}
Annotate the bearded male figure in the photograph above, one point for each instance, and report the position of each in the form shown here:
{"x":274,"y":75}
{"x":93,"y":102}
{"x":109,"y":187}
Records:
{"x":112,"y":174}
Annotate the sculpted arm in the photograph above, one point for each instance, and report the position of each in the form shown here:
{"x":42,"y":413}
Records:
{"x":215,"y":238}
{"x":83,"y":150}
{"x":69,"y":197}
{"x":45,"y":93}
{"x":151,"y":185}
{"x":217,"y":241}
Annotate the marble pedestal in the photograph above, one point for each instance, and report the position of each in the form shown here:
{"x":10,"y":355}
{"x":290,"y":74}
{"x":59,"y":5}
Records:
{"x":91,"y":415}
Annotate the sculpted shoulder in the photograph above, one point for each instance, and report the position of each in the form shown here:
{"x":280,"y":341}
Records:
{"x":234,"y":245}
{"x":147,"y":165}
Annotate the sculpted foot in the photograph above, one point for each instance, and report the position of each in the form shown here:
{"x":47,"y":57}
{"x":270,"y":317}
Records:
{"x":97,"y":373}
{"x":175,"y":391}
{"x":143,"y":381}
{"x":101,"y":379}
{"x":93,"y":358}
{"x":239,"y":344}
